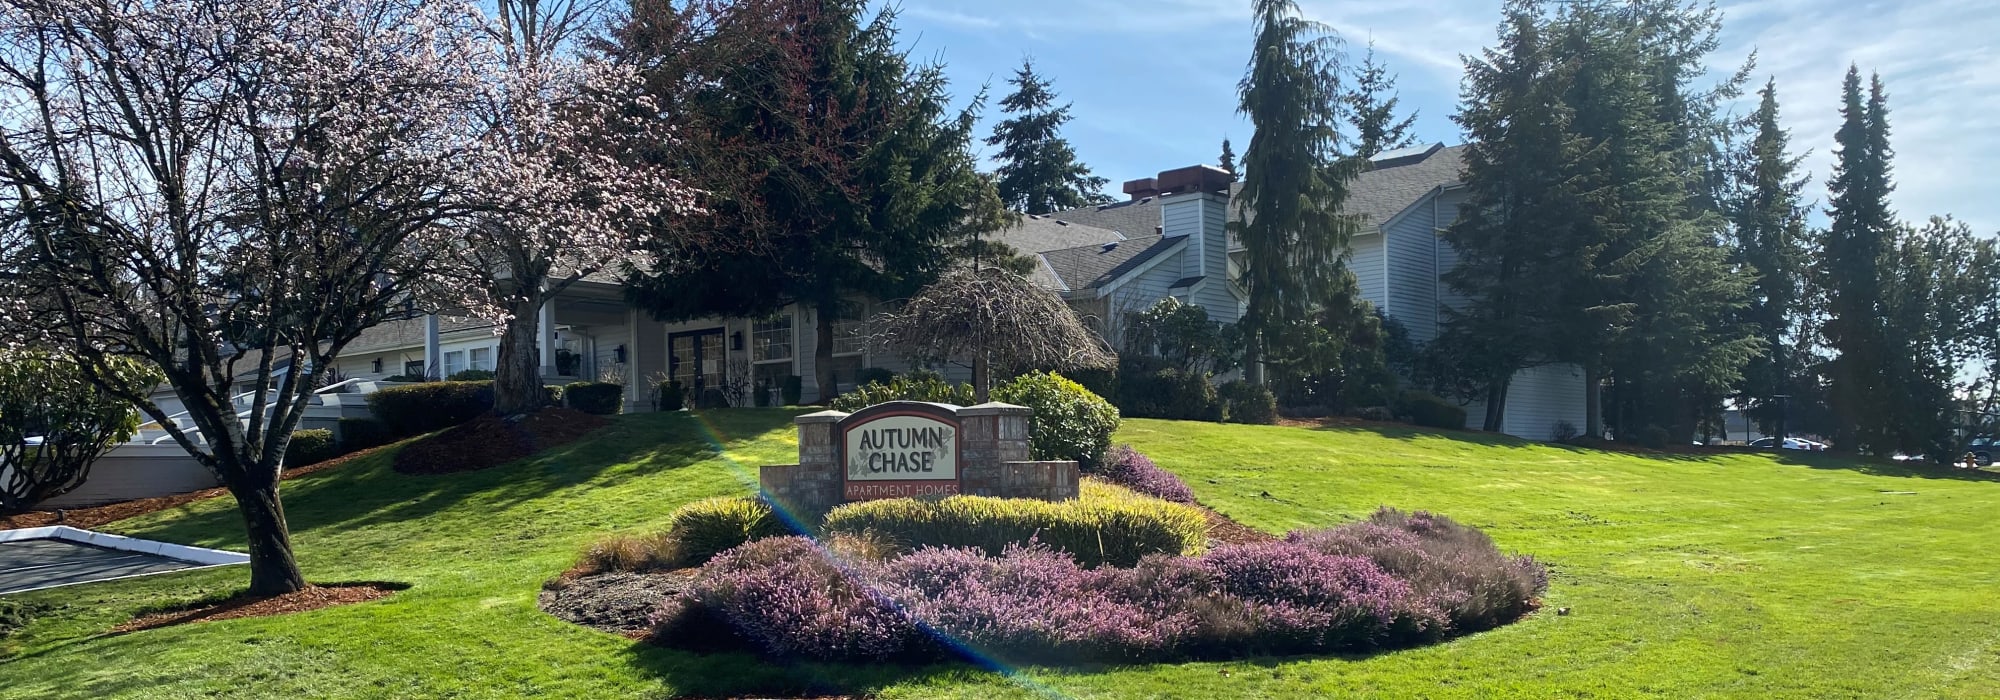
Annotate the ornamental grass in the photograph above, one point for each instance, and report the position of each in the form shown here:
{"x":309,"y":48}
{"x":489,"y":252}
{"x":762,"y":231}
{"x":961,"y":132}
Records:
{"x":1106,"y":525}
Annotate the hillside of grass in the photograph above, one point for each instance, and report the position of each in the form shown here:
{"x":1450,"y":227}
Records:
{"x":1741,"y":575}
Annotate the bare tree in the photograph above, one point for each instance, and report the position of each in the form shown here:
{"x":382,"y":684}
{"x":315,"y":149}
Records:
{"x":229,"y":190}
{"x":986,"y":316}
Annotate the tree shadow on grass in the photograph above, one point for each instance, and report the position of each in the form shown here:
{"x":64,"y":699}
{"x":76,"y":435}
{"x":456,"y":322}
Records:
{"x":737,"y":675}
{"x":368,"y":492}
{"x":1801,"y":458}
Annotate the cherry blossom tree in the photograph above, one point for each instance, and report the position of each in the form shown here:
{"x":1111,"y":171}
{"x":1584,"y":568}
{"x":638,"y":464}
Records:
{"x":564,"y":196}
{"x":231,"y":191}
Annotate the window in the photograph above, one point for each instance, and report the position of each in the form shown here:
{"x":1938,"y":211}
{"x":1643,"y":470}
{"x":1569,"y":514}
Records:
{"x":414,"y":368}
{"x":454,"y":362}
{"x":482,"y":358}
{"x":848,"y":336}
{"x":375,"y":366}
{"x":771,"y":338}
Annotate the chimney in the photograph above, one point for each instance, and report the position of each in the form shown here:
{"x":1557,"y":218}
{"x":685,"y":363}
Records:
{"x":1142,"y":188}
{"x":1194,"y":178}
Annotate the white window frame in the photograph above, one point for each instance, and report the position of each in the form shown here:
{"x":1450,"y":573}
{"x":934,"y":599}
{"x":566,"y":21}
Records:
{"x":453,"y":367}
{"x":473,"y":361}
{"x":793,"y":344}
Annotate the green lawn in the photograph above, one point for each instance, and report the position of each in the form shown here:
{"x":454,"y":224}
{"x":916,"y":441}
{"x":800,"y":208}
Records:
{"x":1731,"y":575}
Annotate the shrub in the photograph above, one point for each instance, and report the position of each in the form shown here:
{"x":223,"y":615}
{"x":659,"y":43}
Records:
{"x":1428,"y":410}
{"x":363,"y":433}
{"x":1376,"y":413}
{"x":1150,"y":388}
{"x":914,"y":387}
{"x":1652,"y":437}
{"x":471,"y":375}
{"x":794,"y":390}
{"x":708,"y":527}
{"x":405,"y":378}
{"x":1125,"y":467}
{"x":1452,"y":568}
{"x":1108,"y":525}
{"x":786,"y":598}
{"x":596,"y":398}
{"x":671,"y":395}
{"x":1243,"y":402}
{"x":1069,"y":423}
{"x":760,"y":395}
{"x":878,"y":375}
{"x":1563,"y":431}
{"x":631,"y":553}
{"x":55,"y":420}
{"x":310,"y":446}
{"x":422,"y":408}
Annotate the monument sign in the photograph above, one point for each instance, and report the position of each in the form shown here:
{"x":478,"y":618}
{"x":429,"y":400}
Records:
{"x":900,"y":449}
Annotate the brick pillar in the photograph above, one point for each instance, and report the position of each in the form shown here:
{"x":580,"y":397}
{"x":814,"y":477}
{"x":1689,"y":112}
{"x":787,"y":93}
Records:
{"x":993,"y":434}
{"x":811,"y":487}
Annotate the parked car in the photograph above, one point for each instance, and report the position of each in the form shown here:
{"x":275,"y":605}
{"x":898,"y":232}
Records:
{"x":1982,"y":449}
{"x":1790,"y":444}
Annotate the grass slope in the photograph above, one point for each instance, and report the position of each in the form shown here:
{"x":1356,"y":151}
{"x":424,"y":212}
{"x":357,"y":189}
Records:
{"x":1730,"y":575}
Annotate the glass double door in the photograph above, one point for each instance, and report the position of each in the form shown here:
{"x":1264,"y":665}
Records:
{"x":697,"y":360}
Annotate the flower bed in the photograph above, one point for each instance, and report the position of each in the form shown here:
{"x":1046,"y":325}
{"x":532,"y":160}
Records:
{"x":1395,"y":580}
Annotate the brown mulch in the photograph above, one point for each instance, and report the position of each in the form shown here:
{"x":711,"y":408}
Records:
{"x":309,"y":598}
{"x":490,"y":441}
{"x":618,"y":602}
{"x":1222,"y":530}
{"x":94,"y":516}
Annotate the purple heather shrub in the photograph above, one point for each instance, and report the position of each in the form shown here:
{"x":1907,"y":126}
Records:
{"x":1453,"y":569}
{"x":1303,"y":599}
{"x":788,"y":598}
{"x":1126,"y":467}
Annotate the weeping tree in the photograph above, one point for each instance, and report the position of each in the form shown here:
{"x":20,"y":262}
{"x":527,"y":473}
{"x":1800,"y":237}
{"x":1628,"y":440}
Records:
{"x":987,"y":316}
{"x":54,"y":422}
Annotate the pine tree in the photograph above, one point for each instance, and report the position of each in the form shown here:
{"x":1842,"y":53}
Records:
{"x":1295,"y":239}
{"x":836,"y":169}
{"x":1228,"y":160}
{"x":1039,"y":172}
{"x":1371,"y":109}
{"x":1853,"y":248}
{"x":1769,"y":223}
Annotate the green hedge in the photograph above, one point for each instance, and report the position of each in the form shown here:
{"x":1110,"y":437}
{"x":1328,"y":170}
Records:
{"x":1070,"y":423}
{"x":1108,"y":525}
{"x":1243,"y":402}
{"x":916,"y":386}
{"x":794,"y":389}
{"x":310,"y":446}
{"x":597,"y":398}
{"x":363,"y":433}
{"x":422,"y":408}
{"x":1428,"y":410}
{"x":1149,"y":387}
{"x":471,"y":375}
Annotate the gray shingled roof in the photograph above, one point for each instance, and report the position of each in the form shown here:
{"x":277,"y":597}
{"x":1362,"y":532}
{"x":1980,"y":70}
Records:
{"x":1090,"y":267}
{"x":1377,"y":195}
{"x":1034,"y":234}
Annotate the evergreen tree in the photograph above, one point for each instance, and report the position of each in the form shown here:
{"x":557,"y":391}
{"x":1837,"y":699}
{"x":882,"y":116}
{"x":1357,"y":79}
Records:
{"x":834,"y":168}
{"x":1039,"y":172}
{"x":1228,"y":160}
{"x":1294,"y":235}
{"x":1521,"y":203}
{"x":1938,"y":293}
{"x":1853,"y":247}
{"x":1771,"y":243}
{"x":1371,"y":109}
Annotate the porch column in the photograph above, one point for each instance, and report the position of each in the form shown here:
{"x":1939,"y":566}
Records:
{"x":545,"y":337}
{"x":632,"y":398}
{"x":433,"y":359}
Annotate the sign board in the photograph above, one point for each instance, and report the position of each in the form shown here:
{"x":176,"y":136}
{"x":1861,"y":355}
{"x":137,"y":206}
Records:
{"x":900,"y":449}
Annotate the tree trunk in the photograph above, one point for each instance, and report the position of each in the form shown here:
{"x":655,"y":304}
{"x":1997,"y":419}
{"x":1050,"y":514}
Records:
{"x":517,"y":379}
{"x":823,"y":351}
{"x":1593,"y":402}
{"x":273,"y":571}
{"x":1496,"y":403}
{"x":982,"y":377}
{"x":1253,"y":358}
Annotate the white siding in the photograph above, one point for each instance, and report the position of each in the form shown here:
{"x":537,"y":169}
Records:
{"x":1447,"y":257}
{"x":1410,"y":245}
{"x":1540,"y":397}
{"x":1365,"y":260}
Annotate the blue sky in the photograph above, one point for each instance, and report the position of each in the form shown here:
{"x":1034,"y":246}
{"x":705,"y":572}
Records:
{"x":1153,"y":82}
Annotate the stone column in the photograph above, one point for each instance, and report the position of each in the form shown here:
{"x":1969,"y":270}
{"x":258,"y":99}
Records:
{"x":810,"y":488}
{"x":992,"y":435}
{"x":433,"y":358}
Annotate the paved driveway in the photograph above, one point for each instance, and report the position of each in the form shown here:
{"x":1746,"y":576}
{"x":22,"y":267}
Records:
{"x":27,"y":565}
